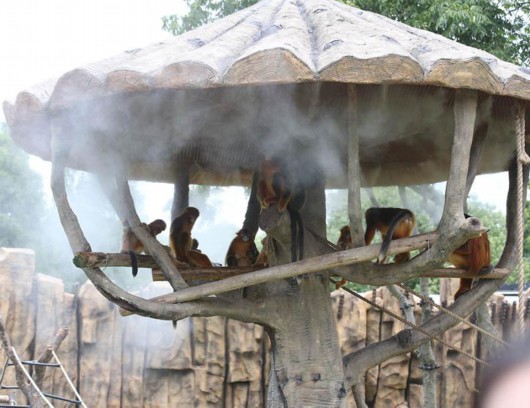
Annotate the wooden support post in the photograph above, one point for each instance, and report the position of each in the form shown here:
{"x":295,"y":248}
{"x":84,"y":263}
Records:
{"x":181,"y":190}
{"x":475,"y":156}
{"x":465,"y":111}
{"x":354,"y":170}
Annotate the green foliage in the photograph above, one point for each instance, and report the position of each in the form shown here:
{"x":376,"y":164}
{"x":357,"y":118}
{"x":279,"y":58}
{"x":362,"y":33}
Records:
{"x":202,"y":12}
{"x":20,"y":196}
{"x":500,"y":27}
{"x":494,"y":26}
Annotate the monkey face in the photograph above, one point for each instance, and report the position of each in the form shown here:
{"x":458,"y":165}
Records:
{"x":245,"y":235}
{"x":192,"y":214}
{"x":157,"y":226}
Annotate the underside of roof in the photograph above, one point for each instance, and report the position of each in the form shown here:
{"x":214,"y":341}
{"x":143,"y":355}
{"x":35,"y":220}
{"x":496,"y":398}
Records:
{"x":272,"y":80}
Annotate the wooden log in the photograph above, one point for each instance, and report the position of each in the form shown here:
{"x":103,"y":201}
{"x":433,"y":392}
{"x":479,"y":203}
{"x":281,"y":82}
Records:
{"x":308,"y":265}
{"x":215,"y":273}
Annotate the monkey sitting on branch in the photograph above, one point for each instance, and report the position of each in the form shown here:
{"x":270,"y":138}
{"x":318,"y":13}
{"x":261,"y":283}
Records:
{"x":242,"y":250}
{"x":133,"y":246}
{"x":392,"y":223}
{"x":473,"y":256}
{"x":275,"y":187}
{"x":181,"y":242}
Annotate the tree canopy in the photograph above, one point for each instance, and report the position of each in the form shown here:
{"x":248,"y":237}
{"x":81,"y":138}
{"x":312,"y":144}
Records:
{"x":501,"y":27}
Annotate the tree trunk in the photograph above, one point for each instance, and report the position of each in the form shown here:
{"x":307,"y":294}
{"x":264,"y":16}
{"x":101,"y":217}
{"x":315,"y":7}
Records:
{"x":307,"y":369}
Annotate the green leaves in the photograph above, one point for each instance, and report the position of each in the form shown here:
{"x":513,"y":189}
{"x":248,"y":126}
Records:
{"x":501,"y":27}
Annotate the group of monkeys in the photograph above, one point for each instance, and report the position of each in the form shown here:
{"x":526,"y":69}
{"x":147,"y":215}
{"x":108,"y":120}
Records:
{"x":185,"y":249}
{"x":395,"y":223}
{"x":275,"y":188}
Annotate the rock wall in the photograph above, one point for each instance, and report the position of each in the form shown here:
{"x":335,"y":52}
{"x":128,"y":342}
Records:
{"x":206,"y":362}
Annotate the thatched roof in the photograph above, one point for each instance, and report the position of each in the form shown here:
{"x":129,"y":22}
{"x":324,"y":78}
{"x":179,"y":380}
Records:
{"x":269,"y":79}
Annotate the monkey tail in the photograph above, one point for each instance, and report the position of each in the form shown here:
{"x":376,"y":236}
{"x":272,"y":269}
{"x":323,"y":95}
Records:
{"x":134,"y":263}
{"x":297,"y":235}
{"x":400,"y":216}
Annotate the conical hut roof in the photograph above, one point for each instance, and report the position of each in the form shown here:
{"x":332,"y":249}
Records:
{"x":272,"y":79}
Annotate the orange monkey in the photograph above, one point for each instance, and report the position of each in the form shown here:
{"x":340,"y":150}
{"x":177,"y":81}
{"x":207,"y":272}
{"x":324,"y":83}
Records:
{"x":473,"y":256}
{"x":132,"y":245}
{"x":392,"y":223}
{"x":242,"y":250}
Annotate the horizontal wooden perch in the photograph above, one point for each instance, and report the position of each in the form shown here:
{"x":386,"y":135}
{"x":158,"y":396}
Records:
{"x":308,"y":265}
{"x":192,"y":273}
{"x":189,"y":273}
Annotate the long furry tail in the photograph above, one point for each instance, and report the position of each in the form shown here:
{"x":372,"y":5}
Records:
{"x":402,"y":215}
{"x":134,"y":263}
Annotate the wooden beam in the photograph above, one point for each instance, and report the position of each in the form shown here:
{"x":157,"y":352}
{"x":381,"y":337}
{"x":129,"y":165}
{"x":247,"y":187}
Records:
{"x":215,"y":273}
{"x":308,"y":265}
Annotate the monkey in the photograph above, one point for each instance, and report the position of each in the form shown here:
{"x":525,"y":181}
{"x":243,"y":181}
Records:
{"x":392,"y":223}
{"x":132,"y":245}
{"x":195,"y":245}
{"x":242,"y":250}
{"x":473,"y":256}
{"x":274,"y":187}
{"x":181,"y":242}
{"x":344,"y":242}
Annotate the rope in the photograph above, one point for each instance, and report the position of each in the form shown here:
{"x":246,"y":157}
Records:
{"x":453,"y":315}
{"x":70,"y":383}
{"x":413,"y":325}
{"x":522,"y":159}
{"x":21,"y":366}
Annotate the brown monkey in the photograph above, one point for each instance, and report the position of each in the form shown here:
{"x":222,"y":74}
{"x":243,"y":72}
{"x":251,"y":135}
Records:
{"x":180,"y":240}
{"x":344,"y":242}
{"x":272,"y":185}
{"x":195,"y":245}
{"x":473,"y":256}
{"x":132,"y":245}
{"x":242,"y":250}
{"x":392,"y":223}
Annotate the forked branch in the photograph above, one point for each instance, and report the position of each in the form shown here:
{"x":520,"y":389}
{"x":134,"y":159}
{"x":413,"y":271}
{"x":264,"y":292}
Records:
{"x":357,"y":363}
{"x":244,"y":310}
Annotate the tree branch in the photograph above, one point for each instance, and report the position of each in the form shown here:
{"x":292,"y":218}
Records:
{"x":47,"y":355}
{"x":357,"y":363}
{"x":181,"y":191}
{"x":355,"y":213}
{"x":244,"y":310}
{"x":465,"y":111}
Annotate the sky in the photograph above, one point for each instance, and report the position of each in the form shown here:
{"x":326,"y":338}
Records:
{"x":42,"y":39}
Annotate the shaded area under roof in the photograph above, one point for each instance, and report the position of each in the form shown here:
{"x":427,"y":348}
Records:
{"x":272,"y":79}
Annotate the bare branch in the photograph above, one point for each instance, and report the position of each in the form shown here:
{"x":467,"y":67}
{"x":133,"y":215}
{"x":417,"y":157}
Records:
{"x":465,"y":111}
{"x":355,"y":213}
{"x":475,"y":156}
{"x":358,"y":362}
{"x":152,"y":246}
{"x":47,"y":355}
{"x":181,"y":191}
{"x":310,"y":265}
{"x":244,"y":310}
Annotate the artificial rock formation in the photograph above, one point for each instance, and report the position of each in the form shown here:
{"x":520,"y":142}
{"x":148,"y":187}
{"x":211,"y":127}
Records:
{"x":209,"y":362}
